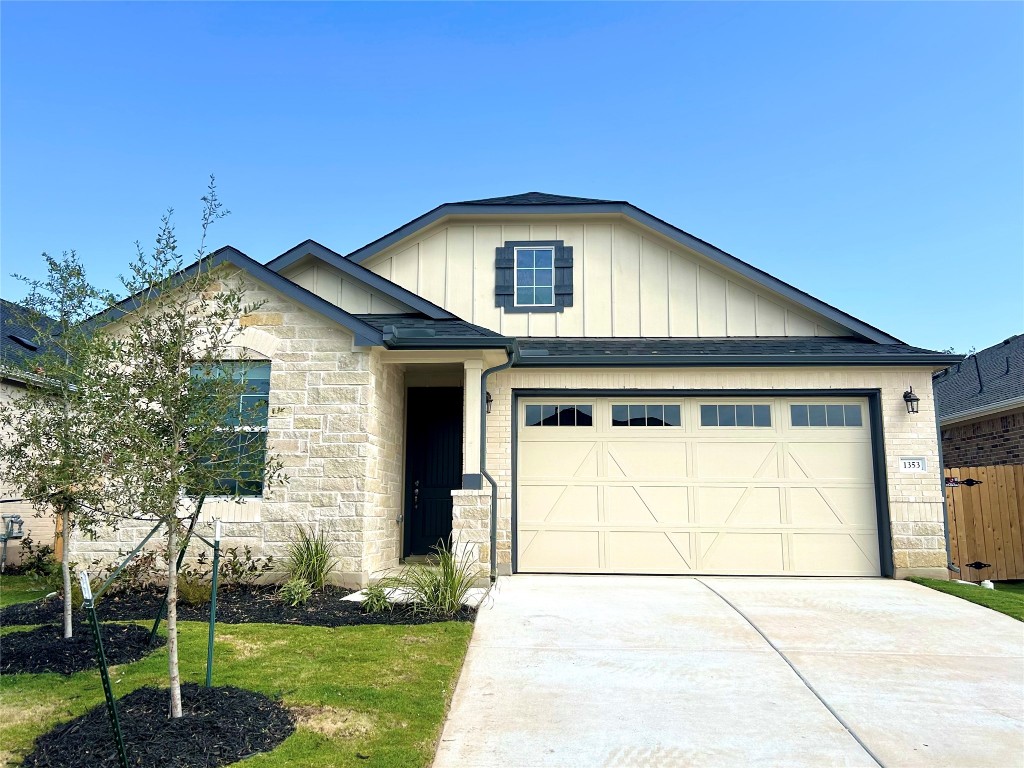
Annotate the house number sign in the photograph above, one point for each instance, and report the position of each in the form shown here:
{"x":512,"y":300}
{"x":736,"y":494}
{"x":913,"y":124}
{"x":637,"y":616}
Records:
{"x":913,"y":464}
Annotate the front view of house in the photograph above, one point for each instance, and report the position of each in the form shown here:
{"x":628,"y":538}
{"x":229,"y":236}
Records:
{"x":569,"y":385}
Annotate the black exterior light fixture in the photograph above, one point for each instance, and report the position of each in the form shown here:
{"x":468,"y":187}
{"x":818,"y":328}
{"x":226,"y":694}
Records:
{"x":911,"y":400}
{"x":488,"y":401}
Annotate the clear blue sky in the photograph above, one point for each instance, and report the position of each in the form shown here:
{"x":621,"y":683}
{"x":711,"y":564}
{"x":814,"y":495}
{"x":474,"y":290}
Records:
{"x":871,"y":154}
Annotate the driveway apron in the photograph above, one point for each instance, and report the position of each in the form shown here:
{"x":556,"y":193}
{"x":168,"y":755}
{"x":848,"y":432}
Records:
{"x":616,"y":671}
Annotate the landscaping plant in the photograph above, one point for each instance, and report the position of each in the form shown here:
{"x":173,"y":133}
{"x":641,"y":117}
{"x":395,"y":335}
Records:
{"x":178,"y":427}
{"x":438,"y":589}
{"x":376,"y":597}
{"x":53,"y":451}
{"x":296,"y":591}
{"x":242,"y":569}
{"x":311,"y":557}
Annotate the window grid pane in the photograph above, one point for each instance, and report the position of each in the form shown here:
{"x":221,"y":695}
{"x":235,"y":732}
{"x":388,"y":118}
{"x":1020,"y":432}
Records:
{"x":559,"y":416}
{"x":535,"y":277}
{"x":831,"y":415}
{"x":739,"y":415}
{"x":641,"y":415}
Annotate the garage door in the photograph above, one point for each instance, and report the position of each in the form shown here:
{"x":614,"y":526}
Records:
{"x":752,"y":486}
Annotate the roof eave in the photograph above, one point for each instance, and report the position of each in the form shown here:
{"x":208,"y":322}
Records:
{"x":528,"y":360}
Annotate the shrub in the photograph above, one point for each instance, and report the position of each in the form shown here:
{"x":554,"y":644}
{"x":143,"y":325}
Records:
{"x":192,"y":591}
{"x":375,"y":598}
{"x":439,"y":589}
{"x":242,"y":570}
{"x":296,"y":591}
{"x":36,"y":561}
{"x":311,"y":557}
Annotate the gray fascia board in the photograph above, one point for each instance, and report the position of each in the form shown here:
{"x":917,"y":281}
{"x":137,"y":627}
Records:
{"x":724,"y":361}
{"x":356,"y":271}
{"x":629,"y":210}
{"x":365,"y":335}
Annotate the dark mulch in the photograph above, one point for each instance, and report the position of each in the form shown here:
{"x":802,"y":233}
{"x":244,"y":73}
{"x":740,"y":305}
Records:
{"x":218,"y":726}
{"x":44,"y":649}
{"x":240,"y":605}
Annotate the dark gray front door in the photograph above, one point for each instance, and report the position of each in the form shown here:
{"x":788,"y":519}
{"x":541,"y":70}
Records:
{"x":433,"y":465}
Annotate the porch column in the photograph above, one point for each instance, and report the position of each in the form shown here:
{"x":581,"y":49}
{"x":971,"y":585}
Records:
{"x":471,"y":424}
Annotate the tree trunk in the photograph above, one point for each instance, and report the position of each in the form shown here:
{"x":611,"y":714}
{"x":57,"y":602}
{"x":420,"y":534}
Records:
{"x":172,"y":618}
{"x":65,"y":568}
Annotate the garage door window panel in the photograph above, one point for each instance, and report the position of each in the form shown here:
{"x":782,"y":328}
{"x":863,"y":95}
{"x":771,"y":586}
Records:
{"x":574,"y":415}
{"x":822,"y":415}
{"x":741,"y":415}
{"x":645,"y":415}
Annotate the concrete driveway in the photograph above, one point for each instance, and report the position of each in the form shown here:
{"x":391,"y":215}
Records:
{"x":619,"y":671}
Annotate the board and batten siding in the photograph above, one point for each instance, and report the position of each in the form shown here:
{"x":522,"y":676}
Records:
{"x":328,"y":283}
{"x":628,"y":282}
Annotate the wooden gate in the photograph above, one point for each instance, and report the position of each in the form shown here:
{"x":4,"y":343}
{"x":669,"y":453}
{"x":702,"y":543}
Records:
{"x":985,"y":520}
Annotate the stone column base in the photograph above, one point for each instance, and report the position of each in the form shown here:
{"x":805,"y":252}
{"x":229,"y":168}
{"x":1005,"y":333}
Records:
{"x":471,"y":528}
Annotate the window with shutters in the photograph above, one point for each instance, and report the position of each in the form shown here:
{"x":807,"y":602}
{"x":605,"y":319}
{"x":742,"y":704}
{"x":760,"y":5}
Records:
{"x":533,"y":276}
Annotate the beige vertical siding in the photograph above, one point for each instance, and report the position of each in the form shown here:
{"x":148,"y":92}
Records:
{"x":330,"y":284}
{"x":628,"y":281}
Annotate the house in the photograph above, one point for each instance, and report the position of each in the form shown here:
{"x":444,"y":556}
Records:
{"x":18,"y":345}
{"x":980,"y":404}
{"x":573,"y":385}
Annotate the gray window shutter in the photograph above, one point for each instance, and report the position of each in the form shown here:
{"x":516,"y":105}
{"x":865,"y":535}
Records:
{"x":563,"y":276}
{"x":504,"y":278}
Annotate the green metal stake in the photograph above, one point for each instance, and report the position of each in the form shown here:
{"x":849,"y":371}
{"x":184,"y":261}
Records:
{"x":213,"y":605}
{"x":115,"y":724}
{"x":181,"y":556}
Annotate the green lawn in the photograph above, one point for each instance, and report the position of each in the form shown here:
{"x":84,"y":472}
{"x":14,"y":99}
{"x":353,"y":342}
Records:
{"x":19,"y":589}
{"x":1006,"y":598}
{"x":376,"y":691}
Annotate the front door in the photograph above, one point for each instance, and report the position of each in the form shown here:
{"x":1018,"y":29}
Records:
{"x":433,"y":465}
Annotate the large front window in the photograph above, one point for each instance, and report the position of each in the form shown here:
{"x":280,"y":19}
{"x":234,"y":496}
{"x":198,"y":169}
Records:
{"x":241,"y":458}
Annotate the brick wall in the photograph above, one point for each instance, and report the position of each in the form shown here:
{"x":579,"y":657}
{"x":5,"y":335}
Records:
{"x":986,"y":442}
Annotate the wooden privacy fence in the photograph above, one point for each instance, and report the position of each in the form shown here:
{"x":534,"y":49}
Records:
{"x":985,"y":520}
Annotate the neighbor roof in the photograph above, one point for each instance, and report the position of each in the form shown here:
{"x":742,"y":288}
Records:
{"x":18,"y":340}
{"x":544,"y":203}
{"x":983,"y":383}
{"x":725,"y":352}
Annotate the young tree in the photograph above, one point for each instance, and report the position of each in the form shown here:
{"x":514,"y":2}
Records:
{"x":186,"y":425}
{"x":50,"y":451}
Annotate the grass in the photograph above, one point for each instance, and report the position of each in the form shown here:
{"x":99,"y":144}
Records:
{"x":1007,"y":597}
{"x":20,"y":589}
{"x":380,"y":692}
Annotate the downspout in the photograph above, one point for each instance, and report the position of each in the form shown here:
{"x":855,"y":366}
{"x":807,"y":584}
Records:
{"x":942,"y":484}
{"x":513,"y":355}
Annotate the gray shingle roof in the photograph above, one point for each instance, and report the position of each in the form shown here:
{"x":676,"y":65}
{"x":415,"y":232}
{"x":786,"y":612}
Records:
{"x":732,"y":351}
{"x":16,"y":336}
{"x":454,"y":328}
{"x":984,"y":380}
{"x":535,"y":198}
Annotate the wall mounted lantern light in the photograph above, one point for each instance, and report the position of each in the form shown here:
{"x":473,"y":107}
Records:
{"x":911,"y":400}
{"x":488,"y":401}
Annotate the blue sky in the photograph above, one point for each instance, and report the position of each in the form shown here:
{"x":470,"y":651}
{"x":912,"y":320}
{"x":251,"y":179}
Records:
{"x":871,"y":154}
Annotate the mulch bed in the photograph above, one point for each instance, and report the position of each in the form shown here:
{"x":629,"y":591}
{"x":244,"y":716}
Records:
{"x":239,"y":605}
{"x":218,"y":726}
{"x":44,"y":649}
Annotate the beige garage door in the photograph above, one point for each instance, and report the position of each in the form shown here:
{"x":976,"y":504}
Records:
{"x":695,"y":485}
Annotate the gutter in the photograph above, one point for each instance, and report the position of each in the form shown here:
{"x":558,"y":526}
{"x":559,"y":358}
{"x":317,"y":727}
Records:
{"x":513,"y":356}
{"x":538,"y":359}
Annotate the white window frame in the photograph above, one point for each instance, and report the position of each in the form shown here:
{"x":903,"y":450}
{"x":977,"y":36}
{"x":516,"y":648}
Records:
{"x":515,"y":275}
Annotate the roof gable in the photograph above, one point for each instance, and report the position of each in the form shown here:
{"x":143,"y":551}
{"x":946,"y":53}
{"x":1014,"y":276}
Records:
{"x":544,"y":204}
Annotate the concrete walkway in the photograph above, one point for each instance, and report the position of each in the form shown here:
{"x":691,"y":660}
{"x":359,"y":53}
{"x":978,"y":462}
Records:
{"x":616,"y":671}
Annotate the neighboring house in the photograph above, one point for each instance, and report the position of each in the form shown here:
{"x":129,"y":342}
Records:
{"x":18,"y":345}
{"x":642,"y":402}
{"x":980,"y":403}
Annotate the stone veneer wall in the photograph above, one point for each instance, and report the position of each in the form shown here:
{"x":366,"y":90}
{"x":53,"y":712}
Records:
{"x":381,"y":527}
{"x":915,"y":500}
{"x":985,"y":442}
{"x":324,"y":422}
{"x":471,"y":526}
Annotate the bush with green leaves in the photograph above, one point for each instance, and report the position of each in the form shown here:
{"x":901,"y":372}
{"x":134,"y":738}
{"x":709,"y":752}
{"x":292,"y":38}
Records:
{"x":36,"y":560}
{"x":242,"y":569}
{"x":296,"y":592}
{"x":193,"y":591}
{"x":311,"y":557}
{"x":439,"y":589}
{"x":376,"y":598}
